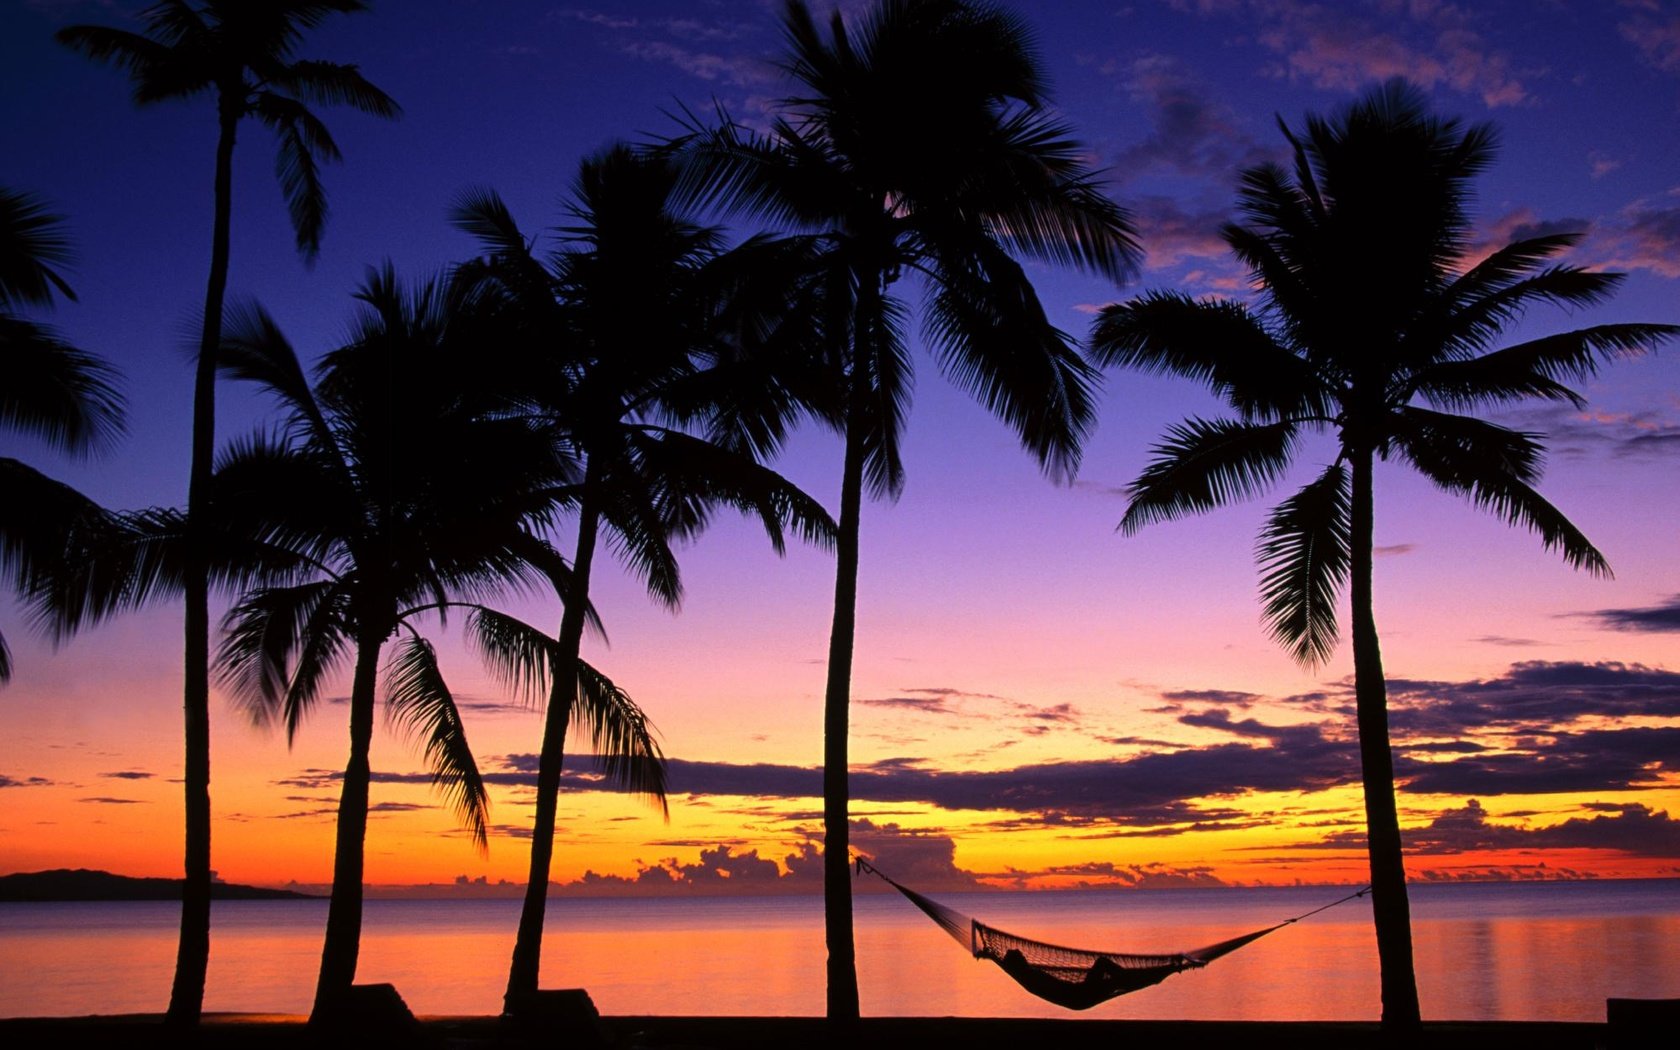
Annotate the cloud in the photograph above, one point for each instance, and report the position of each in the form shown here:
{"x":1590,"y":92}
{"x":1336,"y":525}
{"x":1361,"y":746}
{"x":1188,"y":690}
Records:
{"x":1143,"y":790}
{"x":106,"y":800}
{"x":1595,"y":760}
{"x":16,"y":782}
{"x":1174,"y":234}
{"x":1191,"y":132}
{"x":1648,"y":434}
{"x":1661,"y":617}
{"x":921,"y":858}
{"x":1654,"y":34}
{"x":1345,"y":46}
{"x":129,"y":774}
{"x":1628,"y":828}
{"x":1644,"y":235}
{"x":1536,"y":695}
{"x":1393,"y":550}
{"x":1151,"y":876}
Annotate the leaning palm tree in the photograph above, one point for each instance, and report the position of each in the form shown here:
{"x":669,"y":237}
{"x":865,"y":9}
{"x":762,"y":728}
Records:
{"x":1373,"y":325}
{"x":51,"y":390}
{"x":640,"y":324}
{"x":242,"y":52}
{"x":402,"y":488}
{"x":919,"y":145}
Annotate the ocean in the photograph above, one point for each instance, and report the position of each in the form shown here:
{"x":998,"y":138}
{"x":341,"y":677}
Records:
{"x":1527,"y":951}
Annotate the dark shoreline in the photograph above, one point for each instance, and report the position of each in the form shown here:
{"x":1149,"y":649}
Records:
{"x":261,"y":1031}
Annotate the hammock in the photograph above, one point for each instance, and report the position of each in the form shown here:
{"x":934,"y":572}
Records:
{"x":1070,"y":977}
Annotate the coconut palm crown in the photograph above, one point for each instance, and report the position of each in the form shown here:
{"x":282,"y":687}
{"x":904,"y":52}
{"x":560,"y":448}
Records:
{"x":650,"y":351}
{"x":50,"y":390}
{"x":241,"y":53}
{"x":918,"y":151}
{"x":402,"y":488}
{"x":1373,"y":323}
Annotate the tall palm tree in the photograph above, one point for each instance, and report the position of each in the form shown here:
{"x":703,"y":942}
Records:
{"x":641,"y":324}
{"x":51,"y":390}
{"x":403,"y":488}
{"x":242,"y":52}
{"x":1373,"y":325}
{"x":919,"y":144}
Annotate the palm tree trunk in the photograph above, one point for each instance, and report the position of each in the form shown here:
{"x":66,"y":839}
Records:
{"x":1389,"y":908}
{"x":837,"y":873}
{"x":192,"y":955}
{"x":527,"y":946}
{"x":343,"y":943}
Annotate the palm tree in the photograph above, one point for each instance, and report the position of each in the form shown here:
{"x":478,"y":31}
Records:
{"x":402,"y":488}
{"x":52,"y":390}
{"x":1373,"y":325}
{"x":920,"y":144}
{"x":642,"y":324}
{"x":242,"y":52}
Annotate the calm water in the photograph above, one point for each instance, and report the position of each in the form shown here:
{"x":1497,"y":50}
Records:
{"x":1535,"y":951}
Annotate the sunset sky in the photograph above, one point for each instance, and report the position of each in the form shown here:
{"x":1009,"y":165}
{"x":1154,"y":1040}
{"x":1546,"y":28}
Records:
{"x":1038,"y":701}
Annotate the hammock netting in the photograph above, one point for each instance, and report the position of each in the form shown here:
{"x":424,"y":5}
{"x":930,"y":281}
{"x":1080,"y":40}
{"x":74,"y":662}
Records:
{"x":1072,"y":977}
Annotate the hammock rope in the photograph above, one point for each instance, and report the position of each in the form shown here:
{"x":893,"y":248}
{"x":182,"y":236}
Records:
{"x":1072,"y":977}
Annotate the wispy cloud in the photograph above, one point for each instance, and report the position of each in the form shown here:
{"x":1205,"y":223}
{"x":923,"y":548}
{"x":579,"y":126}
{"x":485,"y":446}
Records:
{"x":1344,"y":46}
{"x":20,"y":782}
{"x":1664,"y":616}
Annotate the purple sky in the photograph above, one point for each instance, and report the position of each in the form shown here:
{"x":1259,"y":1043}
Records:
{"x":985,"y":586}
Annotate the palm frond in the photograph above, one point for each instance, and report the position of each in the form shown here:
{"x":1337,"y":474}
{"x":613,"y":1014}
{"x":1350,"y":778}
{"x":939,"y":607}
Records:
{"x":32,"y":243}
{"x":55,"y":391}
{"x":1204,"y":464}
{"x":304,"y":140}
{"x":278,"y":647}
{"x":163,"y":69}
{"x":43,"y":525}
{"x":1492,"y":467}
{"x":420,"y":704}
{"x":1218,"y":343}
{"x":1304,"y":553}
{"x":518,"y":655}
{"x":1536,"y":368}
{"x":994,"y":340}
{"x":336,"y":83}
{"x":621,"y":737}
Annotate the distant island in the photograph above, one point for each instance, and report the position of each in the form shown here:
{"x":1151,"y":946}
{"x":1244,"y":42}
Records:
{"x":80,"y":884}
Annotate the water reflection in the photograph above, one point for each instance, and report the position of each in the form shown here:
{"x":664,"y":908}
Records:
{"x":1482,"y":953}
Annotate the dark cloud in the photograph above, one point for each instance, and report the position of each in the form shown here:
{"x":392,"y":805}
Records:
{"x":1594,"y":760}
{"x":1152,"y":876}
{"x":106,"y":800}
{"x":396,"y":807}
{"x":1628,"y":828}
{"x":1139,"y":790}
{"x":129,"y":774}
{"x":1191,"y":132}
{"x":16,"y":782}
{"x":931,"y":705}
{"x":1664,"y":616}
{"x":1220,"y":697}
{"x":1536,"y":694}
{"x":1504,"y":642}
{"x":1650,"y":434}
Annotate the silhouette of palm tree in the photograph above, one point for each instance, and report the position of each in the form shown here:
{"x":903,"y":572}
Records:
{"x":642,"y":325}
{"x":402,"y":486}
{"x":919,"y":145}
{"x":241,"y":51}
{"x":51,"y":390}
{"x":1374,"y":326}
